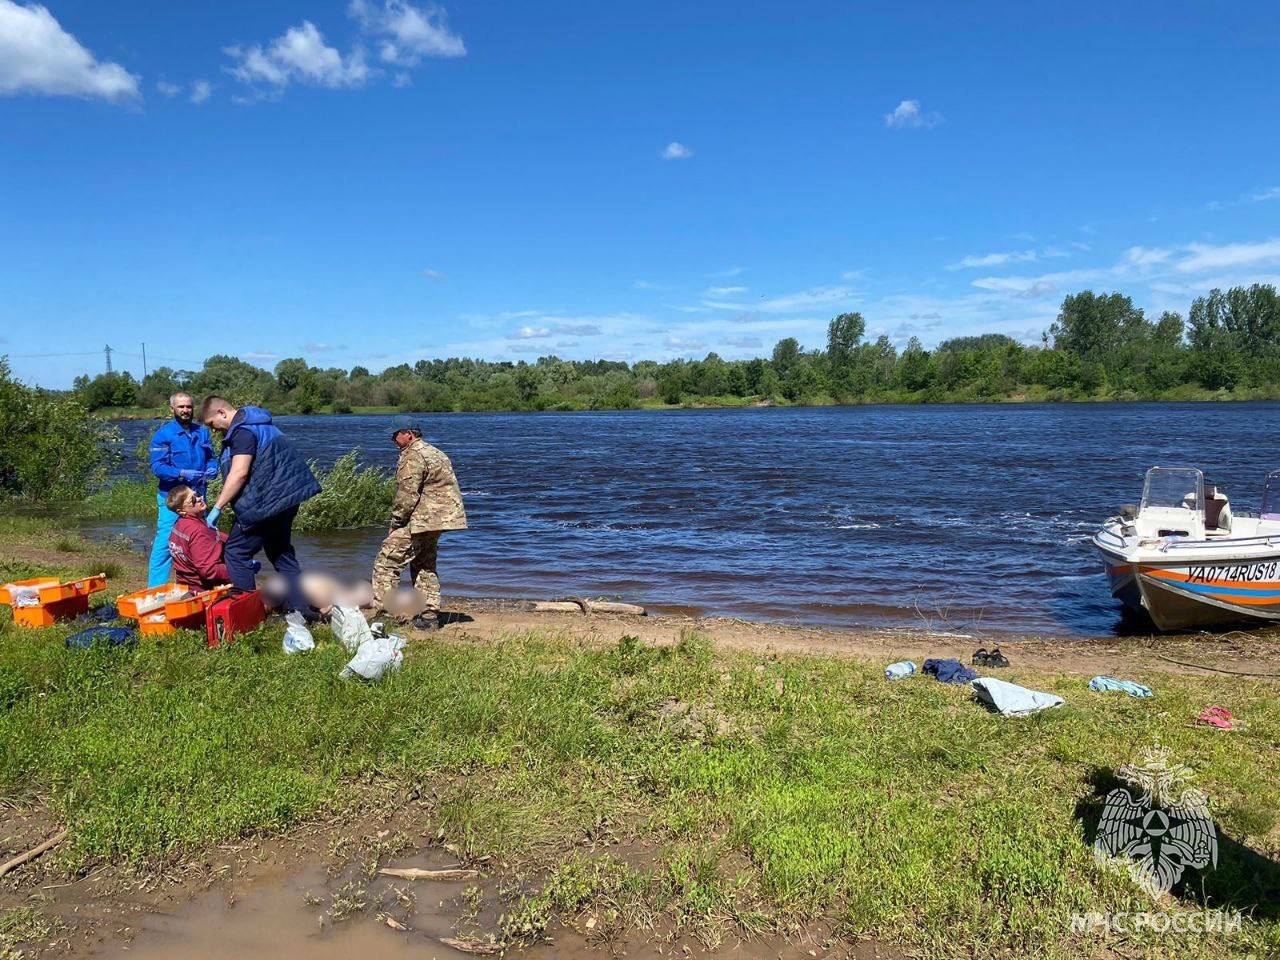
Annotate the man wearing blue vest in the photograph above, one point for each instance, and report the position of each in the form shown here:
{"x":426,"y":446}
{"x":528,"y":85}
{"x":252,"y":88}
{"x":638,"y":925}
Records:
{"x":266,"y":480}
{"x":181,"y":453}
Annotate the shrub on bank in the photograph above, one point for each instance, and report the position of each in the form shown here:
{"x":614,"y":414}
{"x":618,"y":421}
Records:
{"x":50,"y":449}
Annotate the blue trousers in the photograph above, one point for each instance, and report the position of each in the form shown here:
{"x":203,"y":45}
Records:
{"x":160,"y":570}
{"x":274,"y":537}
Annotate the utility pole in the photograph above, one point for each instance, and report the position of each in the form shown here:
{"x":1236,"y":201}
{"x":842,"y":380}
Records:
{"x":107,"y":351}
{"x":144,"y":361}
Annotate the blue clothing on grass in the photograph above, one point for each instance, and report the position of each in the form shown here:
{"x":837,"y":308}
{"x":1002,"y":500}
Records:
{"x":1105,"y":684}
{"x":949,"y":671}
{"x":179,"y":455}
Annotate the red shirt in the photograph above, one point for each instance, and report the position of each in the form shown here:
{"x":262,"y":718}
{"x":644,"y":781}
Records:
{"x":196,"y":549}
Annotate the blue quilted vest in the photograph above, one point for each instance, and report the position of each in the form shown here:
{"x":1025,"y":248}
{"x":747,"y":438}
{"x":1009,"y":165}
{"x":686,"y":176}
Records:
{"x":279,"y":479}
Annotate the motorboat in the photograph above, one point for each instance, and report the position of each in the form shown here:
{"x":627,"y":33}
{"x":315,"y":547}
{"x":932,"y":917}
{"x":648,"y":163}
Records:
{"x":1187,"y":561}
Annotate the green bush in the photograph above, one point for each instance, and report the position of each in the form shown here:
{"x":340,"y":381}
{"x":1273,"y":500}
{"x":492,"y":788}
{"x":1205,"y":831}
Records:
{"x":50,"y":449}
{"x":351,"y":495}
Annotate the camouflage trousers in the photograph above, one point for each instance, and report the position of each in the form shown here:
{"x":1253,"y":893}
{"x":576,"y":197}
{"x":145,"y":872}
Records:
{"x":417,"y":551}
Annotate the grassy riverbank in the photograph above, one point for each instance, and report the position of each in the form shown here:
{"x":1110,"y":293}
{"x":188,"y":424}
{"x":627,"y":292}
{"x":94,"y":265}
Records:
{"x":745,"y":793}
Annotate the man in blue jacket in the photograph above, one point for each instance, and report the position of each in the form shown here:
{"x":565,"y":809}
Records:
{"x":181,"y":453}
{"x":266,"y":480}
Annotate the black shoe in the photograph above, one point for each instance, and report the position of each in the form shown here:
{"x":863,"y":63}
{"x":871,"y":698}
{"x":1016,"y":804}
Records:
{"x":997,"y":659}
{"x":979,"y":657}
{"x":426,"y":623}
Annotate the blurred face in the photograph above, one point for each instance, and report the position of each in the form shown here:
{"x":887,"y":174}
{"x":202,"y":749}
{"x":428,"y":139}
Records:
{"x":403,"y":438}
{"x":193,"y":506}
{"x":219,"y":419}
{"x":182,"y":407}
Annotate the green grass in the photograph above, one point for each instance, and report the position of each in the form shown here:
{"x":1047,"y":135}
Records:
{"x":763,"y":792}
{"x":20,"y":926}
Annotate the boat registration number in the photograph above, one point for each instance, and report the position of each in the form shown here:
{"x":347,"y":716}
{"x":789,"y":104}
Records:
{"x":1248,"y":572}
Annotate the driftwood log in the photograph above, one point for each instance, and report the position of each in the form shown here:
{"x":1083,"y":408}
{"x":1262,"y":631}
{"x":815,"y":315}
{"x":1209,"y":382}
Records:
{"x":20,"y":859}
{"x":587,"y":606}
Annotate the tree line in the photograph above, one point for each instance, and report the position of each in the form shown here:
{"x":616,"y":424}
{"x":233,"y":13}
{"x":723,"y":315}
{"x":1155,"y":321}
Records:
{"x":1100,"y":346}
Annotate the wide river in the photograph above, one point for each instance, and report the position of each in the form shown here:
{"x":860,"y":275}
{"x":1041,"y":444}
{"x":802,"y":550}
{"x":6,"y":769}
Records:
{"x":952,"y":517}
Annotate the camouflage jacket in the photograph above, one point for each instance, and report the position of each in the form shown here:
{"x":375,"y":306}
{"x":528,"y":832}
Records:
{"x":427,"y":494}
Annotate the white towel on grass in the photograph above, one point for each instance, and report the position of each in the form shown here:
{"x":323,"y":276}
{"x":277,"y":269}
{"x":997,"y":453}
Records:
{"x":1012,"y":700}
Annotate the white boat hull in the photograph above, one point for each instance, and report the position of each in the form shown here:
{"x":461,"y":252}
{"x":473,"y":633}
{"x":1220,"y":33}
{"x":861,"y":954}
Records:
{"x":1194,"y":585}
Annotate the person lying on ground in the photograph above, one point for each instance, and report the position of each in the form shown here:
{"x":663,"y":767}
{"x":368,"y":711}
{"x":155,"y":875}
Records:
{"x":196,"y":547}
{"x":266,"y":480}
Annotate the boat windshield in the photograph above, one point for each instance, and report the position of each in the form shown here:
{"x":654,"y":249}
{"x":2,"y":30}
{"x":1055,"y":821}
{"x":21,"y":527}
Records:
{"x":1174,"y":488}
{"x":1271,"y":496}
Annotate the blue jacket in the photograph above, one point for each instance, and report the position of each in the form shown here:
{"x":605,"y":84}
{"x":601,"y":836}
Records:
{"x":279,"y":479}
{"x":176,"y":450}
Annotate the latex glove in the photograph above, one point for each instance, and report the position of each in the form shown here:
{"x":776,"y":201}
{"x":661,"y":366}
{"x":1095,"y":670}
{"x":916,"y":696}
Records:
{"x":190,"y":476}
{"x":213,"y":515}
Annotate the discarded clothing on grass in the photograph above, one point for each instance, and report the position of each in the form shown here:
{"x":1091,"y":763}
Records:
{"x":110,"y":636}
{"x":1012,"y":700}
{"x":1108,"y":684}
{"x":297,"y":638}
{"x":375,"y":657}
{"x":899,"y":670}
{"x":1219,"y":717}
{"x":949,"y":671}
{"x":349,"y":626}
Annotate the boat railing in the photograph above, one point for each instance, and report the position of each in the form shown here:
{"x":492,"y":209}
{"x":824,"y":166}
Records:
{"x":1108,"y":536}
{"x":1267,"y":540}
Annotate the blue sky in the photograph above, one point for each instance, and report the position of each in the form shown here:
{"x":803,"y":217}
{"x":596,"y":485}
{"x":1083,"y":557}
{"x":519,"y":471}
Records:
{"x":380,"y":182}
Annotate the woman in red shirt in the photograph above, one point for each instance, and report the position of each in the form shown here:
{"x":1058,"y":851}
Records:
{"x":195,"y":546}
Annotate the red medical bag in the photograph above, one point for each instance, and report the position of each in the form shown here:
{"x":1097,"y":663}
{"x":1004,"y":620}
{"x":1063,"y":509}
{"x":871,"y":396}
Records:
{"x":238,"y":613}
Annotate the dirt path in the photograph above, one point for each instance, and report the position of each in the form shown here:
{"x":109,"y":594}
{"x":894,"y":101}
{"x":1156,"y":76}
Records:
{"x":1252,"y":652}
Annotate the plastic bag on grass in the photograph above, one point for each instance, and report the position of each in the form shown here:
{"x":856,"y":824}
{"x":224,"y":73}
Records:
{"x":375,"y":657}
{"x":297,"y":638}
{"x":349,"y":626}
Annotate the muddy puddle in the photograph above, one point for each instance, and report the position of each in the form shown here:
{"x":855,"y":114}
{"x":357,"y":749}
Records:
{"x":314,"y":915}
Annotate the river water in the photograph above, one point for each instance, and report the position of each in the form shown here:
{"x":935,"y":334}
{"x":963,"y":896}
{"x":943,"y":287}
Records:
{"x":953,"y":517}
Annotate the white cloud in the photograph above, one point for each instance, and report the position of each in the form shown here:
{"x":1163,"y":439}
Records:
{"x":320,"y":346}
{"x":432,"y":274}
{"x":1264,"y":195}
{"x":683,"y":344}
{"x":168,"y":89}
{"x":1146,"y":256}
{"x":718,"y":292}
{"x":37,"y":56}
{"x":676,"y":151}
{"x":201,"y":90}
{"x":742,"y":343}
{"x":726,"y":274}
{"x":530,"y":333}
{"x":407,"y":33}
{"x":992,"y":259}
{"x":300,"y":55}
{"x":578,"y":329}
{"x":1205,"y":256}
{"x":907,"y":115}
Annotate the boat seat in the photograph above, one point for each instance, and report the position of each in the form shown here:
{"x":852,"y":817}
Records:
{"x":1217,"y":513}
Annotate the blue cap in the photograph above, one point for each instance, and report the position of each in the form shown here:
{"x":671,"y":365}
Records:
{"x":405,"y":423}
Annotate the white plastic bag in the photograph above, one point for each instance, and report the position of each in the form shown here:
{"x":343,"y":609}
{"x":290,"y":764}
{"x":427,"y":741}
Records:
{"x":375,"y":657}
{"x":297,"y":638}
{"x":349,"y":626}
{"x":23,"y":596}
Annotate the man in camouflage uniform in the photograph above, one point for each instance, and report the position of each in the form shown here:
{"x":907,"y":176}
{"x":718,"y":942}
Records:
{"x":427,"y":502}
